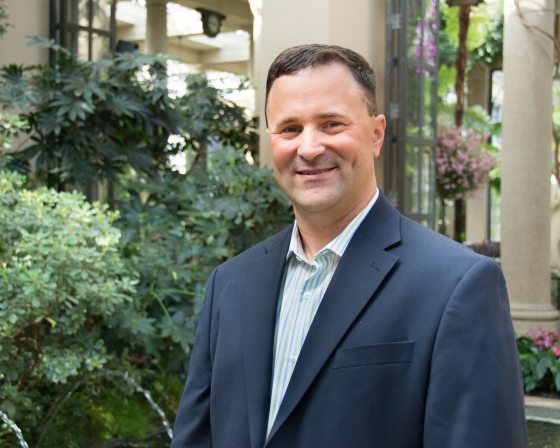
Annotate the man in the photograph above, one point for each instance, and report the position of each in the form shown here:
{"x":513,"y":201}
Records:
{"x":355,"y":327}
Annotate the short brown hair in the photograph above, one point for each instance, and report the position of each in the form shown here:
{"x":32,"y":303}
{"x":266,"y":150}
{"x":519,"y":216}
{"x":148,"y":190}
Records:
{"x":294,"y":59}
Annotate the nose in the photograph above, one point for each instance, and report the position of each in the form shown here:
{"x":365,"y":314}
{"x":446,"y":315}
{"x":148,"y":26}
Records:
{"x":310,"y":144}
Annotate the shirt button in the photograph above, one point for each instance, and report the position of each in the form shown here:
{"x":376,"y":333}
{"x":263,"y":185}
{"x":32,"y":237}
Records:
{"x":306,"y":295}
{"x":292,"y":358}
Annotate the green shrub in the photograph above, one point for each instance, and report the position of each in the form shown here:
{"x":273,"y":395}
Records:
{"x":91,"y":121}
{"x":10,"y":126}
{"x":66,"y":308}
{"x":211,"y":120}
{"x":95,"y":120}
{"x":81,"y":296}
{"x":175,"y":231}
{"x":4,"y":24}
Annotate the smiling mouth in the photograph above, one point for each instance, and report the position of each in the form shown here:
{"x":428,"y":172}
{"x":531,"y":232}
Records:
{"x":314,"y":172}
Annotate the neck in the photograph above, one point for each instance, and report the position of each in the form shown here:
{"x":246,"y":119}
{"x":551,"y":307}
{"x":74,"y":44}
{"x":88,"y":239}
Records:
{"x":317,"y":230}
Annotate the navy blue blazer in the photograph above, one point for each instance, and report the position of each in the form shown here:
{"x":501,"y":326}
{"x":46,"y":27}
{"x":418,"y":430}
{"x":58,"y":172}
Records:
{"x":412,"y":346}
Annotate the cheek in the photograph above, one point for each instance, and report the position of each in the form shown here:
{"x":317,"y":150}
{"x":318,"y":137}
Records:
{"x":282,"y":155}
{"x":347,"y":149}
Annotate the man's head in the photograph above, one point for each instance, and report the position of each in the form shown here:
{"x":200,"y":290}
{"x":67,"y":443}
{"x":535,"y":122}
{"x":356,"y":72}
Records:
{"x":294,"y":59}
{"x":324,"y":131}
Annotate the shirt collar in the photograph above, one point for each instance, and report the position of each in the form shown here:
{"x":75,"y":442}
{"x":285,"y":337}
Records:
{"x":336,"y":246}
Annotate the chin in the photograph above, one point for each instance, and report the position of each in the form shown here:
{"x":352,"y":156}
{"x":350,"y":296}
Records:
{"x":315,"y":206}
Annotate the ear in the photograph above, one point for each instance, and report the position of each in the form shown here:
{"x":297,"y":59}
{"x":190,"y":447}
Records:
{"x":378,"y":124}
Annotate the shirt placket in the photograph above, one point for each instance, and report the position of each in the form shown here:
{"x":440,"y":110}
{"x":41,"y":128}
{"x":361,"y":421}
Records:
{"x":299,"y":316}
{"x":307,"y":305}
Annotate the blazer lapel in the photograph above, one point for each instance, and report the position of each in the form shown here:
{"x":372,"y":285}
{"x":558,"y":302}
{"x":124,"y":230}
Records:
{"x":260,"y":299}
{"x":360,"y":272}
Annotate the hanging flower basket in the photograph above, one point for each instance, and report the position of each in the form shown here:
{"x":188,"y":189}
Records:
{"x":463,"y":164}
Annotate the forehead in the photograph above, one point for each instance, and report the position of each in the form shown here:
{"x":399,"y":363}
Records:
{"x":331,"y":83}
{"x":331,"y":70}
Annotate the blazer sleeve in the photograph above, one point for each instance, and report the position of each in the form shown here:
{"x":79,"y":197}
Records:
{"x":192,"y":426}
{"x":475,"y":393}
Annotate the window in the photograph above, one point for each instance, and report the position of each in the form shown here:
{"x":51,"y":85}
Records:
{"x":411,"y":95}
{"x":85,"y":27}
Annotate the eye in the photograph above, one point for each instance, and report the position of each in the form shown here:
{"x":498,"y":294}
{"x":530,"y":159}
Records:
{"x":292,"y":129}
{"x":333,"y":125}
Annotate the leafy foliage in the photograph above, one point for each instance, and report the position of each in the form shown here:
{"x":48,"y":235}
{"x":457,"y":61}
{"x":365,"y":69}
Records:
{"x":10,"y":127}
{"x":539,"y":353}
{"x":210,"y":119}
{"x":66,"y":308}
{"x":70,"y":303}
{"x":177,"y":230}
{"x":490,"y":50}
{"x":478,"y":27}
{"x":116,"y":120}
{"x":475,"y":118}
{"x":447,"y":45}
{"x":104,"y":411}
{"x":4,"y":24}
{"x":93,"y":120}
{"x":484,"y":42}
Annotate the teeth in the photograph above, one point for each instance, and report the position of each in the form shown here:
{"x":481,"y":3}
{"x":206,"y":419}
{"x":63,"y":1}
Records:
{"x":315,"y":172}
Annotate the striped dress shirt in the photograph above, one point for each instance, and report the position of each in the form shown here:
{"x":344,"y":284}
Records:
{"x":305,"y":283}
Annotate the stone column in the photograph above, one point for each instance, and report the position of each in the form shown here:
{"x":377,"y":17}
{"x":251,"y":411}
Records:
{"x":13,"y":48}
{"x":555,"y":225}
{"x":527,"y":131}
{"x":255,"y":58}
{"x":156,"y":26}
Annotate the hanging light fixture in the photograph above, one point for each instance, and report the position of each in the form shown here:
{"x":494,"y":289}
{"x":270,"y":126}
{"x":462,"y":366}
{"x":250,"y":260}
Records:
{"x":211,"y":21}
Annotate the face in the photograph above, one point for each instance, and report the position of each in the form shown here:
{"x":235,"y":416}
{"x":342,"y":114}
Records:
{"x":324,"y":142}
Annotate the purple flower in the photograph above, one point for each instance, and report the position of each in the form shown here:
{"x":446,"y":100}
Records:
{"x":543,"y":339}
{"x":462,"y":163}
